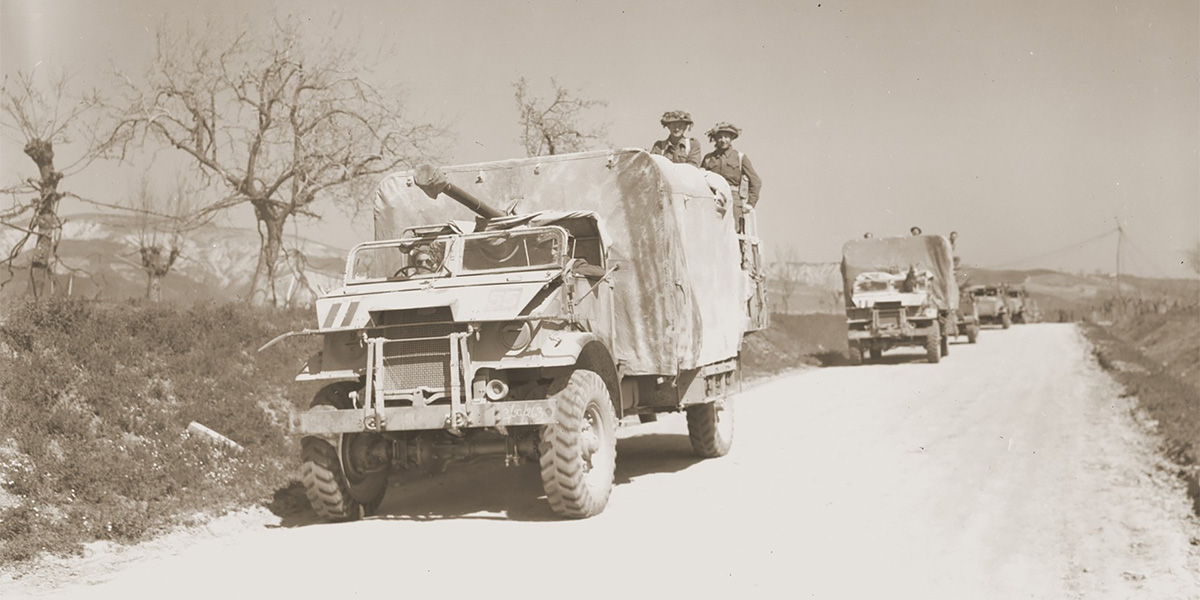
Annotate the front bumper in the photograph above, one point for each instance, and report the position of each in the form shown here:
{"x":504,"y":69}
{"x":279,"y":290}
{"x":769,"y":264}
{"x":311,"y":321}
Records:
{"x":418,"y":418}
{"x":890,"y":323}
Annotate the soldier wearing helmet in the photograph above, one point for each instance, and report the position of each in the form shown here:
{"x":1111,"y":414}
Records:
{"x":734,"y":167}
{"x":678,"y":147}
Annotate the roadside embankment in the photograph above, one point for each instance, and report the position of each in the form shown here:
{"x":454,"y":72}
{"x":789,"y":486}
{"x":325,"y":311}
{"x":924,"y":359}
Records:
{"x":1156,"y":357}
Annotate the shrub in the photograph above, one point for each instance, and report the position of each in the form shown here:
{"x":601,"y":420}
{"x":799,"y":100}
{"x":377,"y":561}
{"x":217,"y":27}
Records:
{"x":97,"y":397}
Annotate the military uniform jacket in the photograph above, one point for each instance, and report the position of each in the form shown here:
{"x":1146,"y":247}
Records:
{"x":733,"y":165}
{"x":687,"y":150}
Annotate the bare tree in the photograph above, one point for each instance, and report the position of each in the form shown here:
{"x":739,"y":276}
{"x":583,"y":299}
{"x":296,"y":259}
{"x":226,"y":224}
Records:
{"x":554,"y":125}
{"x":277,"y":124}
{"x":163,"y":222}
{"x":43,"y":115}
{"x":787,"y":279}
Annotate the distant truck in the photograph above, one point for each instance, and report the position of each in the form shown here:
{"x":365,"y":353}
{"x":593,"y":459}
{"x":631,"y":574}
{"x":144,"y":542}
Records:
{"x":991,"y":301}
{"x":900,"y":291}
{"x":1021,"y":307}
{"x":614,"y":284}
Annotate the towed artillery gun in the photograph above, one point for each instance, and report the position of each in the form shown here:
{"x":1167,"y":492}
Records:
{"x":900,"y":291}
{"x":616,"y":286}
{"x":967,"y":316}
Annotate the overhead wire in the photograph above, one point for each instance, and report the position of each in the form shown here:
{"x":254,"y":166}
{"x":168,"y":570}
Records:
{"x":1144,"y":255}
{"x":1071,"y":246}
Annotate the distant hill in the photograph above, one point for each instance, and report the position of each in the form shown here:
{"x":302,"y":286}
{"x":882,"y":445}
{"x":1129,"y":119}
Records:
{"x":216,"y":263}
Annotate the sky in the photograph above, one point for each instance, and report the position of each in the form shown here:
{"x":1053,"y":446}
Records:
{"x":1027,"y":126}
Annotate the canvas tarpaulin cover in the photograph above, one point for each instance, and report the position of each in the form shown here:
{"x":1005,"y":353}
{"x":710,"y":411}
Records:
{"x":680,"y":293}
{"x":896,"y":255}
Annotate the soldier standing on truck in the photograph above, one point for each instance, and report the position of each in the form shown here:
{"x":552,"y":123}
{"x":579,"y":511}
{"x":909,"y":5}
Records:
{"x":734,"y":167}
{"x":678,"y":148}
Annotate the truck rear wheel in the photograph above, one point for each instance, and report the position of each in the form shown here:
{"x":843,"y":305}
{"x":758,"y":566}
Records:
{"x":579,"y":450}
{"x":933,"y":344}
{"x":710,"y":428}
{"x":875,"y":353}
{"x":854,"y":355}
{"x":334,"y":494}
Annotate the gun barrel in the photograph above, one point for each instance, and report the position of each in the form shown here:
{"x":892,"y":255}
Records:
{"x":433,"y":182}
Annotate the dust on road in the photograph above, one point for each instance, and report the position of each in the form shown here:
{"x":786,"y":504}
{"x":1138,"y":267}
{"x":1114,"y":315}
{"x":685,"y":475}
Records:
{"x":1013,"y":469}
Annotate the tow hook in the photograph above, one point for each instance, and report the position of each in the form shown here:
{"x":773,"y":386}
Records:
{"x":374,"y":423}
{"x":455,"y":421}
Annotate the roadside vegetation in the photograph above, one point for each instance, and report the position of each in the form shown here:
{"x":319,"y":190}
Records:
{"x":1155,"y":356}
{"x":96,"y":398}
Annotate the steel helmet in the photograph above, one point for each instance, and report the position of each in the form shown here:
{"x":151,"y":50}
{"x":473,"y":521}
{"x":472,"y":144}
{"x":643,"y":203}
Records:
{"x":676,"y":116}
{"x":724,"y":126}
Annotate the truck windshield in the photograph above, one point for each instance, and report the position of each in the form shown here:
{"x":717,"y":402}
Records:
{"x":504,"y":250}
{"x":400,"y":260}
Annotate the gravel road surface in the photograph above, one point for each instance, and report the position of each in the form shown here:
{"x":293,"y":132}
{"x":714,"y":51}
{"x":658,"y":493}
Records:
{"x":1012,"y":469}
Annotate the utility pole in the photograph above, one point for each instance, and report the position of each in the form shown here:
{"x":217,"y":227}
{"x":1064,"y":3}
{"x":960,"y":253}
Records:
{"x":1120,"y":240}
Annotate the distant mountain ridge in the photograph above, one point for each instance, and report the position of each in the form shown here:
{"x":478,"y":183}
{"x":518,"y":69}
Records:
{"x":217,"y":263}
{"x":100,"y":258}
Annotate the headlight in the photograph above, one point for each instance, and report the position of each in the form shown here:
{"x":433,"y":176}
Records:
{"x":344,"y":348}
{"x":516,"y":335}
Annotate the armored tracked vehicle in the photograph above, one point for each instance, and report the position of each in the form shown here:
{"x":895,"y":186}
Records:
{"x":613,"y":284}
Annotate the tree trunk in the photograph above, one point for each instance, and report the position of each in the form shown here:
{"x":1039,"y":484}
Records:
{"x":157,"y":264}
{"x":45,"y":223}
{"x":154,"y":287}
{"x":263,"y":285}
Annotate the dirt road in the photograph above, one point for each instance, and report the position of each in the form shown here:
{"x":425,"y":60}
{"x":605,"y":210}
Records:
{"x":1013,"y":469}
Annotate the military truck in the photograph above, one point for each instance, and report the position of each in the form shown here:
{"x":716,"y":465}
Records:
{"x":900,"y":291}
{"x":612,"y":284}
{"x":992,"y":303}
{"x":1021,"y":308}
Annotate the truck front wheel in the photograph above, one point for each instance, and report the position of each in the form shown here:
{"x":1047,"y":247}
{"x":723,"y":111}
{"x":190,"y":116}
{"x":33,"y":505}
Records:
{"x":933,"y":344}
{"x":579,"y":450}
{"x":338,"y":494}
{"x":710,"y":428}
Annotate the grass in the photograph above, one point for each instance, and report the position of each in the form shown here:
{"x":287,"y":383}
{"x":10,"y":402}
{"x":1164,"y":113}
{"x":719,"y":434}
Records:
{"x":1156,"y":358}
{"x":96,"y":399}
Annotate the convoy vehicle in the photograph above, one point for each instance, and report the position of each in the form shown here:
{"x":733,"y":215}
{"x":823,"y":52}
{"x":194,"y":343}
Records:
{"x":1021,"y":307}
{"x":612,"y":285}
{"x":900,"y":291}
{"x":992,"y":303}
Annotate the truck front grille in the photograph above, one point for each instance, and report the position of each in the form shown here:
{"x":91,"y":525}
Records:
{"x":888,"y":319}
{"x":414,"y":364}
{"x":418,"y":353}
